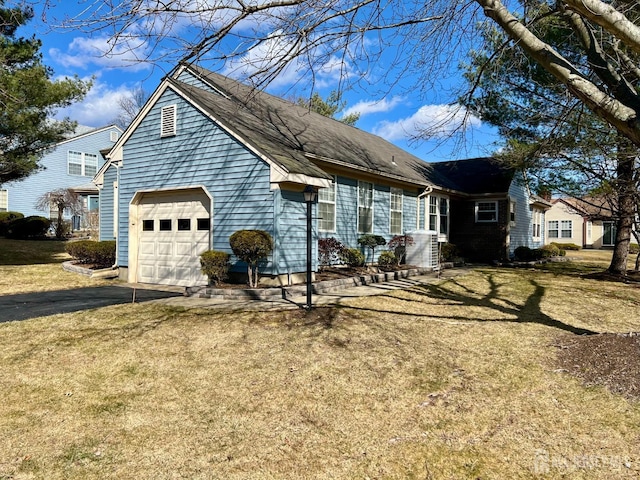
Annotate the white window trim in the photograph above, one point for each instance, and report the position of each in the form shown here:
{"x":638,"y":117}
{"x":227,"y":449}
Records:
{"x":334,"y":185}
{"x":589,"y":228}
{"x":361,"y":182}
{"x":4,"y":200}
{"x":82,"y":163}
{"x":168,"y":121}
{"x":536,"y":221}
{"x":557,"y":229}
{"x":398,"y":192}
{"x":513,"y":210}
{"x":495,"y":209}
{"x":562,"y":230}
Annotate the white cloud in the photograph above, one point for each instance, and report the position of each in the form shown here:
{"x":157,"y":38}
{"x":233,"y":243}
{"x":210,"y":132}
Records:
{"x":367,"y":107}
{"x":84,"y":52}
{"x":429,"y":120}
{"x":99,"y":108}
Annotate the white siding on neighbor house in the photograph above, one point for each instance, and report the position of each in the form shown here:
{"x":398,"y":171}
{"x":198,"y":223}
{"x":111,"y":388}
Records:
{"x":199,"y":154}
{"x":521,"y":231}
{"x":23,"y":194}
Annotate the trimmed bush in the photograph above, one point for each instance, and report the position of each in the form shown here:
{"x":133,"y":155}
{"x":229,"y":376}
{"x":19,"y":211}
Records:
{"x":28,"y":227}
{"x":6,"y":218}
{"x":329,"y":250}
{"x":251,"y":246}
{"x":548,"y":251}
{"x":523,"y":254}
{"x":566,"y":246}
{"x":352,"y":257}
{"x":372,"y":241}
{"x":215,"y":265}
{"x":97,"y":254}
{"x":448,"y":252}
{"x":399,"y":246}
{"x":387,"y":259}
{"x":634,"y":248}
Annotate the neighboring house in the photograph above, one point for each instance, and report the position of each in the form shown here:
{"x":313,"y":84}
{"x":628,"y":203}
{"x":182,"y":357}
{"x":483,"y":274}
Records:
{"x":208,"y":156}
{"x":588,"y":222}
{"x":71,"y":163}
{"x":497,"y":212}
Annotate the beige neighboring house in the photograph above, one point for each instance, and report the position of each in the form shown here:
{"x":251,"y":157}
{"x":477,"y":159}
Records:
{"x":588,"y":222}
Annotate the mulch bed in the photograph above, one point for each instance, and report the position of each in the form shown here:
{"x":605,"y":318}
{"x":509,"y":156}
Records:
{"x":608,"y":359}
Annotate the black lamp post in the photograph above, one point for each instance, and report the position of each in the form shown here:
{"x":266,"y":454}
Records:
{"x":310,"y":196}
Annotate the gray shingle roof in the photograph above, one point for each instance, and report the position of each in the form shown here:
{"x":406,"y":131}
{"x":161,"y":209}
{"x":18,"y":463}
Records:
{"x":476,"y":176}
{"x":299,"y":139}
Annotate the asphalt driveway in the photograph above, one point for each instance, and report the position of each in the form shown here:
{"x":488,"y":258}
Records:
{"x":31,"y":305}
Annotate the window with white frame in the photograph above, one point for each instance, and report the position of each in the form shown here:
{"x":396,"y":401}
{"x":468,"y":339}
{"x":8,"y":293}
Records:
{"x":168,"y":120}
{"x":566,"y":229}
{"x":512,"y":212}
{"x":536,"y":223}
{"x":365,"y":207}
{"x":327,"y":208}
{"x":80,"y":163}
{"x":589,"y":231}
{"x":487,"y":211}
{"x":439,"y":214}
{"x":396,"y":211}
{"x":553,"y":228}
{"x":4,"y":200}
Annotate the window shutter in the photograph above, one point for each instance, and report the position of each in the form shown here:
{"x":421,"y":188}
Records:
{"x":168,"y":121}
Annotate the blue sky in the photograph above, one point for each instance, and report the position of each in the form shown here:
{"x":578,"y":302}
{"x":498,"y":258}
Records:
{"x":396,"y":114}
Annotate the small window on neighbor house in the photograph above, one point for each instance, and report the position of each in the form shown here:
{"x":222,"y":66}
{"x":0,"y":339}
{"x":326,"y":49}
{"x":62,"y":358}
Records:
{"x":168,"y":121}
{"x":552,"y":228}
{"x":184,"y":224}
{"x":147,"y":225}
{"x":512,"y":212}
{"x":536,"y":223}
{"x":204,"y":224}
{"x":165,"y":225}
{"x":4,"y":200}
{"x":486,"y":211}
{"x":566,"y":229}
{"x":444,"y":216}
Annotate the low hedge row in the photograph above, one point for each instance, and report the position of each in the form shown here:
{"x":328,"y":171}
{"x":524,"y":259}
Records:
{"x":87,"y":252}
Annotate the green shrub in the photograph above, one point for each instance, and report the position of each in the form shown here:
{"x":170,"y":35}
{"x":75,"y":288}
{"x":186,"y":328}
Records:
{"x":566,"y":246}
{"x":215,"y":265}
{"x":352,"y":257}
{"x":448,"y":252}
{"x":251,"y":246}
{"x":372,"y":241}
{"x":634,"y":248}
{"x":329,"y":250}
{"x":562,"y":253}
{"x":387,"y":259}
{"x":97,"y":254}
{"x":6,"y":218}
{"x":28,"y":227}
{"x":548,"y":251}
{"x":523,"y":254}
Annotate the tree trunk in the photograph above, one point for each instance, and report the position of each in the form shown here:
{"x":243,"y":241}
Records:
{"x":250,"y":273}
{"x":626,"y":206}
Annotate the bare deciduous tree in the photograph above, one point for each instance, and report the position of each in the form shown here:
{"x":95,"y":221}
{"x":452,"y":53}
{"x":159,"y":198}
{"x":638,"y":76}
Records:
{"x":60,"y":200}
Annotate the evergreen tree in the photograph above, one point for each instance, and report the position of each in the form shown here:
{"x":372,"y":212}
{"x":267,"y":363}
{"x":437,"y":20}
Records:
{"x":28,"y":99}
{"x":330,"y":107}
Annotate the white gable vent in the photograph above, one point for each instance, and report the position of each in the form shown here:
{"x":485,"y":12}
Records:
{"x":168,"y":121}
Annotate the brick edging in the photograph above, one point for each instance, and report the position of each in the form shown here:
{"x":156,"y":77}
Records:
{"x":88,"y":272}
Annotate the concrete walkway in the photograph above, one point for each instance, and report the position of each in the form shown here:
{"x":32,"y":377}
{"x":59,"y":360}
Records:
{"x":319,"y":299}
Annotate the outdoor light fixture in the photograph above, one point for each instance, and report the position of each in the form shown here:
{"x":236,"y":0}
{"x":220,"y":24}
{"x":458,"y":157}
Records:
{"x":310,"y":196}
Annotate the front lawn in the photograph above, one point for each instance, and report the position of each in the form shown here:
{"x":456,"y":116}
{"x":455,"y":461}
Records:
{"x":450,"y":381}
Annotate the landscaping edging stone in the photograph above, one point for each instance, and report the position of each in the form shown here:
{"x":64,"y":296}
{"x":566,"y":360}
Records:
{"x":285,"y":292}
{"x":88,"y":272}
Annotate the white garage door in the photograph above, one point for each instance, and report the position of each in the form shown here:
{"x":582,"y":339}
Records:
{"x":173,"y":229}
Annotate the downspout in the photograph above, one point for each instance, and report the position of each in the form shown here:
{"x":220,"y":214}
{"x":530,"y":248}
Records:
{"x":426,"y":192}
{"x":117,"y":219}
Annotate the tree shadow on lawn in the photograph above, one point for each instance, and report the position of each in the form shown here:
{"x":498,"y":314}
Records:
{"x":528,"y":312}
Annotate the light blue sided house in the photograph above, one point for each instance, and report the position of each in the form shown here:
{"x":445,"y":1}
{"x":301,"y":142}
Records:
{"x":208,"y":156}
{"x":71,"y":163}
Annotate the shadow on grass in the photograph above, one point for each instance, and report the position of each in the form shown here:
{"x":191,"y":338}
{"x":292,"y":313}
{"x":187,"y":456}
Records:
{"x":528,"y":312}
{"x":31,"y":252}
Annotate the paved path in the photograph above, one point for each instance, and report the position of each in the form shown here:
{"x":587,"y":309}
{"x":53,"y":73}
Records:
{"x":320,"y":299}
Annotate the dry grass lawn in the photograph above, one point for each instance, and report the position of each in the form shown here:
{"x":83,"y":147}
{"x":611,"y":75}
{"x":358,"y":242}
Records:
{"x":450,"y":381}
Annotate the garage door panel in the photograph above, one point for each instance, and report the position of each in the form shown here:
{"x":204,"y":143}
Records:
{"x":172,"y":255}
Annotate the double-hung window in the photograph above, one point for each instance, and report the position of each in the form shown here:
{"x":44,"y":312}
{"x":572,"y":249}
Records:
{"x":79,"y":163}
{"x":365,"y":207}
{"x":486,"y":211}
{"x":327,"y":208}
{"x":4,"y":200}
{"x":536,"y":224}
{"x":566,"y":230}
{"x":396,"y":211}
{"x":439,"y":214}
{"x":553,"y":229}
